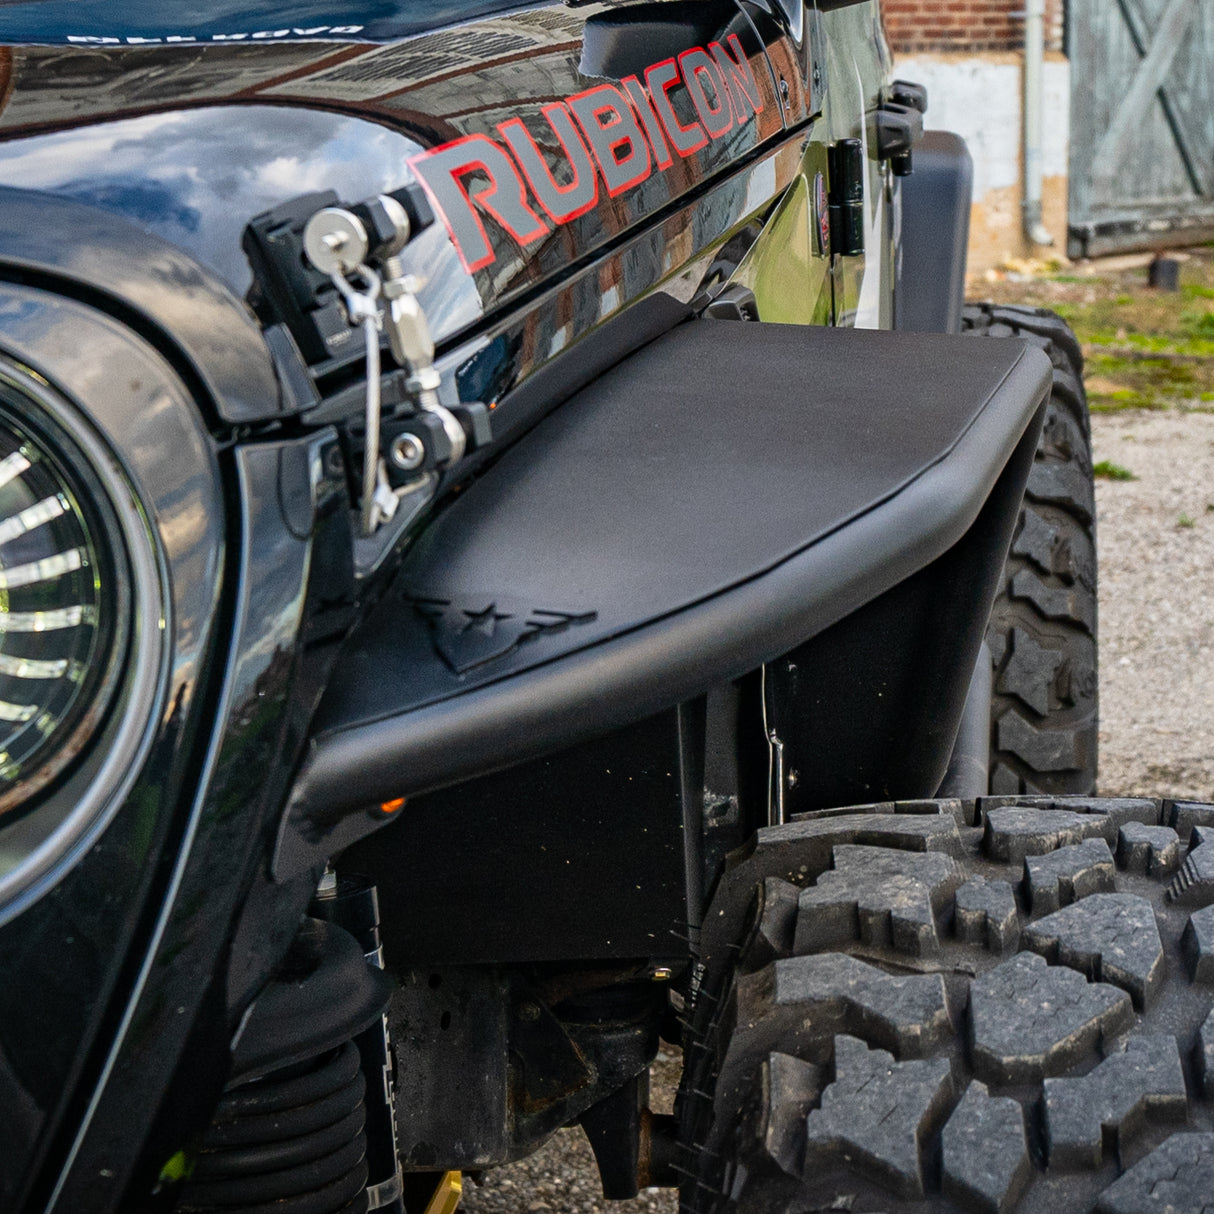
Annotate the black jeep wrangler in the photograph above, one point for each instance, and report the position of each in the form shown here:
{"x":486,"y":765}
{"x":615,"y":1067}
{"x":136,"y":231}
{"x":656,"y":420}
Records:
{"x":510,"y":552}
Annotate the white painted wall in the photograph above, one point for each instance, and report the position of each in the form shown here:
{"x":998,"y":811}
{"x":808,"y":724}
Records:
{"x":979,"y":99}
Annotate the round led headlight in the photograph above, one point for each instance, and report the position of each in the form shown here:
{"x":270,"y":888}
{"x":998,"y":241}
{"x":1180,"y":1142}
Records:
{"x":62,"y":606}
{"x":64,"y":609}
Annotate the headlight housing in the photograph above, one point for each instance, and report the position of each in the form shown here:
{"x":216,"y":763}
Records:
{"x":64,"y":602}
{"x":81,"y":634}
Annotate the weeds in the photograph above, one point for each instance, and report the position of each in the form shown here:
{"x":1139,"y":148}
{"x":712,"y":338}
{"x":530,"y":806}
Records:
{"x":1110,"y":471}
{"x":1145,"y":349}
{"x":1122,"y":398}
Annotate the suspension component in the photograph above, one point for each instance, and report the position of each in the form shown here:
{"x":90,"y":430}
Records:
{"x":352,"y":903}
{"x":291,"y":1132}
{"x":294,"y":1138}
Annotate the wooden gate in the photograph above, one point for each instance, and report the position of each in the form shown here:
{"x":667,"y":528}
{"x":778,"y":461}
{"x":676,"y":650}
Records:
{"x":1142,"y":124}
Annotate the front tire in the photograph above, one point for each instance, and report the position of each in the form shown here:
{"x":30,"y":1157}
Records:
{"x":1042,"y":633}
{"x":942,"y":1005}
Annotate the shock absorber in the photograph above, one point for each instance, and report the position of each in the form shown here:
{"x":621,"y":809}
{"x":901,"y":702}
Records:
{"x":292,"y":1141}
{"x":305,"y":1125}
{"x":352,"y":902}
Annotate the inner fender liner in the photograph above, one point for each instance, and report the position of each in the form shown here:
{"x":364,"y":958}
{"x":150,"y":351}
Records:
{"x":708,"y":504}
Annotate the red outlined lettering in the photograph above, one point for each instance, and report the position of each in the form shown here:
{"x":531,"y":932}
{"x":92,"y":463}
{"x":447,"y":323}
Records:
{"x":618,"y":133}
{"x":618,"y":143}
{"x":561,"y":203}
{"x":685,"y":139}
{"x":699,"y":68}
{"x":743,"y":87}
{"x":441,"y":172}
{"x":649,"y":120}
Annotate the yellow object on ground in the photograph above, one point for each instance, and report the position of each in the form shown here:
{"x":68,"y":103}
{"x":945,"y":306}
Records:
{"x":447,"y":1195}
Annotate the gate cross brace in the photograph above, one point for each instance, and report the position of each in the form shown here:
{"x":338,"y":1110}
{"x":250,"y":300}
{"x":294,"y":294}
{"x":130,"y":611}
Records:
{"x":1158,"y":52}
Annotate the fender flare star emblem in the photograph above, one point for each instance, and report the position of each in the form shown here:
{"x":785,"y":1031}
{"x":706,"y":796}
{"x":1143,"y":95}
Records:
{"x":473,"y":631}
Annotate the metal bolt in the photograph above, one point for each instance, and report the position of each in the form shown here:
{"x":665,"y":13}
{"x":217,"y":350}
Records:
{"x":407,"y":452}
{"x":530,"y":1010}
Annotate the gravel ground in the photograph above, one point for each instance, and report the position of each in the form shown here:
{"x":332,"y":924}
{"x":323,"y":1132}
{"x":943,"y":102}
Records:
{"x":562,"y":1176}
{"x":1156,"y":552}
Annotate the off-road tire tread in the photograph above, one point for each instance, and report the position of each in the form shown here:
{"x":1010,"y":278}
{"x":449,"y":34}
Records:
{"x":1042,"y":634}
{"x":1039,"y":1038}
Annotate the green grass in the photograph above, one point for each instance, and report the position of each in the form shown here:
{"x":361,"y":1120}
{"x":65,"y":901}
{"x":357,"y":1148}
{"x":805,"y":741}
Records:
{"x":1123,"y":398}
{"x":1189,"y":345}
{"x":1164,"y":370}
{"x":1110,"y":471}
{"x":1186,"y":521}
{"x":1144,"y":348}
{"x":1142,"y":371}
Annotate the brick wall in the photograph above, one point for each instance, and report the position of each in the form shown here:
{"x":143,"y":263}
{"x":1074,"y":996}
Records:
{"x":964,"y":25}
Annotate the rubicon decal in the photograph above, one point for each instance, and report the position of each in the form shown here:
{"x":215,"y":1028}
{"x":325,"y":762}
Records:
{"x":611,"y":137}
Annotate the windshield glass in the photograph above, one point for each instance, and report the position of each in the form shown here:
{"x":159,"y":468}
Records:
{"x":148,"y":22}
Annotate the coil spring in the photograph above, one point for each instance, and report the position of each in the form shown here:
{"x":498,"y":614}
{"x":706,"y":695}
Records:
{"x":289,"y":1143}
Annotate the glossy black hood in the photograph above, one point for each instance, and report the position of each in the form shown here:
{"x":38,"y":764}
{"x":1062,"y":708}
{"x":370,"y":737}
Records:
{"x":187,"y":125}
{"x":195,"y":177}
{"x":170,"y":140}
